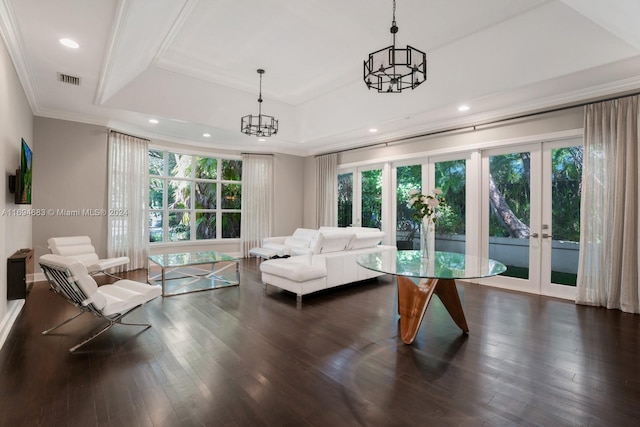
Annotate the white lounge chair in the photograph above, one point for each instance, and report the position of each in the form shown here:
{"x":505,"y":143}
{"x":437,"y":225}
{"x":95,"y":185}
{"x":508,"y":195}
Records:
{"x":70,"y":279}
{"x":81,"y":249}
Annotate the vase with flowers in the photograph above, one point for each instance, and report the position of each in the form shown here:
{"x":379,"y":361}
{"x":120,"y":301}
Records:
{"x":424,"y":209}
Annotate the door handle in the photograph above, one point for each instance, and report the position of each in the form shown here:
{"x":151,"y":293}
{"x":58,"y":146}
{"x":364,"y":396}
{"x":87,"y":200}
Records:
{"x":546,"y":236}
{"x":534,"y":235}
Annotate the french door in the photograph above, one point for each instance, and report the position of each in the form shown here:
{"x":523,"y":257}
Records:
{"x":363,"y":196}
{"x":531,"y":215}
{"x":560,"y":231}
{"x":450,"y":173}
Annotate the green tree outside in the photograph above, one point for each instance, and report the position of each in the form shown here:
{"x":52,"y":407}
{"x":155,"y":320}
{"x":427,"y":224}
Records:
{"x":174,"y":176}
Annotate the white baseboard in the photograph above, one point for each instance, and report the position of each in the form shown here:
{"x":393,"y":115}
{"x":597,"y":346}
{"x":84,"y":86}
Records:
{"x":13,"y":309}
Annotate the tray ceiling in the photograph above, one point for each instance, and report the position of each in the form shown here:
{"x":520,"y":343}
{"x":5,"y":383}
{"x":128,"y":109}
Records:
{"x":191,"y":64}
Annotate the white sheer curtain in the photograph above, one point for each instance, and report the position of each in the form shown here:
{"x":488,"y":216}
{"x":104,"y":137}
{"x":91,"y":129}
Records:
{"x":257,"y":200}
{"x":326,"y":190}
{"x":128,"y":227}
{"x":608,"y":266}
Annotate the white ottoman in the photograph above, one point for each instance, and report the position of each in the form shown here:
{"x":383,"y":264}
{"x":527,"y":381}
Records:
{"x":295,"y":274}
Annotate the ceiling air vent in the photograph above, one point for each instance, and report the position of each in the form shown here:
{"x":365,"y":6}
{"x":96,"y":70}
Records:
{"x":72,"y":80}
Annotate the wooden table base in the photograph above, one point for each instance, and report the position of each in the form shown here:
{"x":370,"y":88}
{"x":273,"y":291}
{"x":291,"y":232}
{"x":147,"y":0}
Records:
{"x":413,"y":300}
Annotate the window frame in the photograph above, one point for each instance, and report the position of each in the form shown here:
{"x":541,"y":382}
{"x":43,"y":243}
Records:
{"x":165,"y":178}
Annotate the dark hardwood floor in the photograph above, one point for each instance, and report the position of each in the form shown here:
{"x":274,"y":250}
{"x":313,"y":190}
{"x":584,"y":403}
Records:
{"x":240,"y":357}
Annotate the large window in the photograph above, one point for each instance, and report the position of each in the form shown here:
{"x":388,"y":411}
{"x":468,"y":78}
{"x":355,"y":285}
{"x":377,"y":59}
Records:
{"x":193,"y":197}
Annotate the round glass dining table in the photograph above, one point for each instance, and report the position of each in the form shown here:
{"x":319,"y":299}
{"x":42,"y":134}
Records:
{"x":419,"y":278}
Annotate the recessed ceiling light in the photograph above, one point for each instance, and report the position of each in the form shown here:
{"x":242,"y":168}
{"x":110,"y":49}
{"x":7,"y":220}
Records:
{"x":373,"y":130}
{"x":69,"y":43}
{"x":463,"y":108}
{"x":206,"y":135}
{"x":261,"y":140}
{"x":154,"y":121}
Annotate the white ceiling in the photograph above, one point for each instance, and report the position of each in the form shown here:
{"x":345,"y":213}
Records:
{"x":192,"y":64}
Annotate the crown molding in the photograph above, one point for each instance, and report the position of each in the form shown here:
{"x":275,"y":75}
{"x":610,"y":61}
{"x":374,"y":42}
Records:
{"x":15,"y":46}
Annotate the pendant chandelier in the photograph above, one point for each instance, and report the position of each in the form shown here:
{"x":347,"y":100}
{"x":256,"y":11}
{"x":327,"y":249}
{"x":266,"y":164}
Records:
{"x":392,"y":69}
{"x":260,"y":125}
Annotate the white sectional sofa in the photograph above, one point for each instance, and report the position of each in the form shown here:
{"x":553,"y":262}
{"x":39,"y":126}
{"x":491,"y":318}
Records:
{"x":320,"y":259}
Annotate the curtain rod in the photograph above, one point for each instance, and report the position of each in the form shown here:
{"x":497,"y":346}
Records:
{"x":259,"y":154}
{"x":127,"y":134}
{"x":473,"y":127}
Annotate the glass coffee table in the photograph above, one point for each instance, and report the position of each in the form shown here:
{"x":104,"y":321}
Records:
{"x":182,"y":273}
{"x":418,"y":279}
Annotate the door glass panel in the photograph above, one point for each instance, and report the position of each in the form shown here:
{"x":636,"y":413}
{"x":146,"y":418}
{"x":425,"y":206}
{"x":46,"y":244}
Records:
{"x":345,"y":199}
{"x":407,"y":228}
{"x":451,"y":178}
{"x":205,"y":225}
{"x":180,"y":165}
{"x":206,"y":168}
{"x":179,"y":226}
{"x":156,"y":232}
{"x":372,"y":198}
{"x":231,"y":196}
{"x":232,"y":170}
{"x":509,"y":216}
{"x":231,"y":225}
{"x":156,"y":193}
{"x":205,"y":195}
{"x":566,"y":180}
{"x":179,"y":194}
{"x":156,"y":162}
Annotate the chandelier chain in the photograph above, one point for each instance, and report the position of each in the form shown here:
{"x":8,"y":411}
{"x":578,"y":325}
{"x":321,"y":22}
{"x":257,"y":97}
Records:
{"x":394,"y":12}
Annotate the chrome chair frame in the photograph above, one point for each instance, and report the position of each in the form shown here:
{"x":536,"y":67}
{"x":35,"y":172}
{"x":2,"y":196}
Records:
{"x":63,"y":283}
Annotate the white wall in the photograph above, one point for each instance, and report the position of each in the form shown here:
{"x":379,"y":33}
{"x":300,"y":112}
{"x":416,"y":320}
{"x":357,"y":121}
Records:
{"x":70,"y":175}
{"x":16,"y":122}
{"x":289,"y":198}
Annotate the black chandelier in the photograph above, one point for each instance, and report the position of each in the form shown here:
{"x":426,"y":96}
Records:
{"x":260,"y":125}
{"x":392,"y":69}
